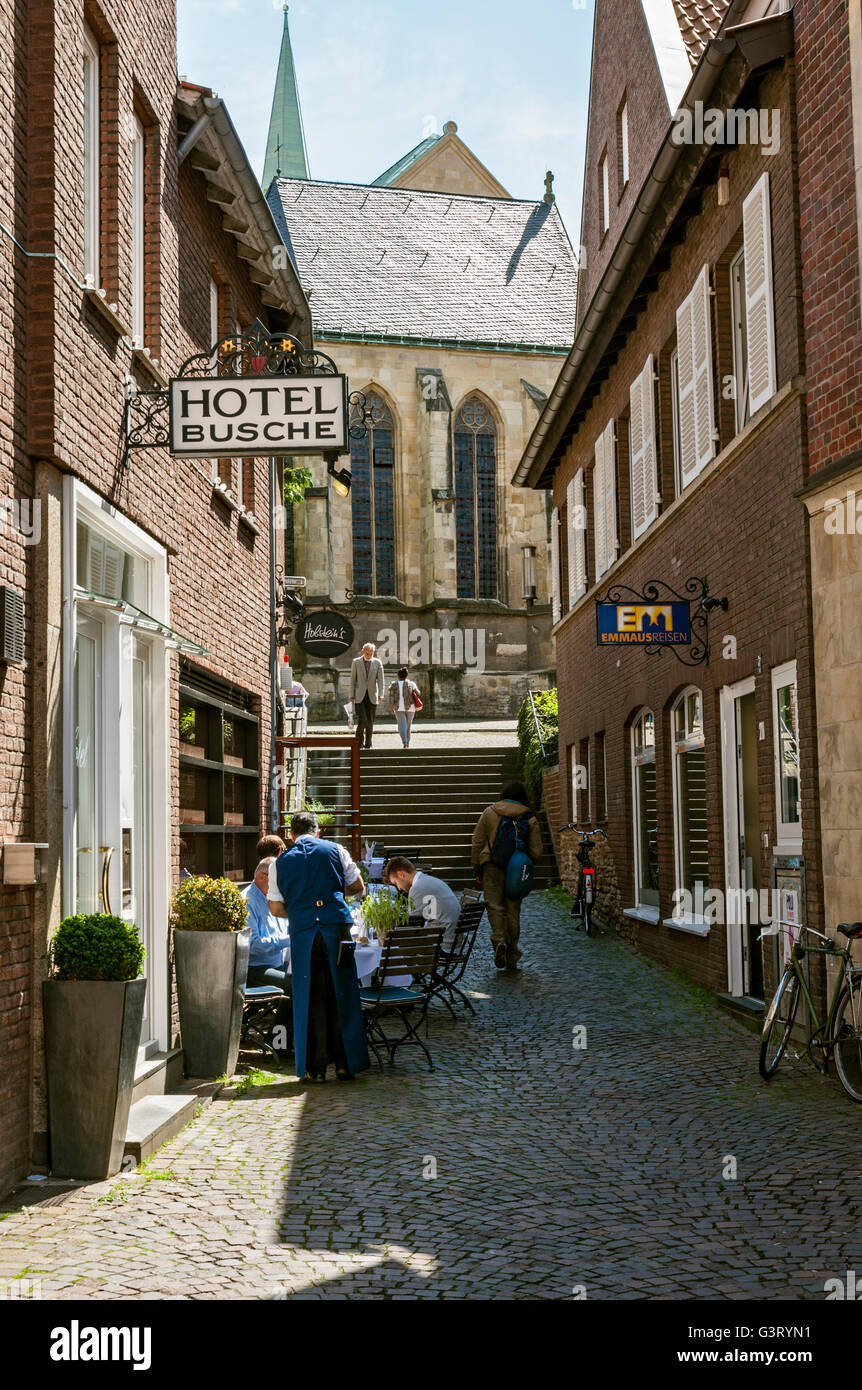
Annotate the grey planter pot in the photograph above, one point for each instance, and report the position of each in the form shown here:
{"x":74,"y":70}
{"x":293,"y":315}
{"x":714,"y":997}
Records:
{"x":211,"y":971}
{"x":92,"y":1032}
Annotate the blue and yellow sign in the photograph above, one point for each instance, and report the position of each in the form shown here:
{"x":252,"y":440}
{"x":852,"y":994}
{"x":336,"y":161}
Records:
{"x":642,"y":624}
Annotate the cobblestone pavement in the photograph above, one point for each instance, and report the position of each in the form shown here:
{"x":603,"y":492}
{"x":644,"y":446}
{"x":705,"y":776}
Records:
{"x":555,"y":1166}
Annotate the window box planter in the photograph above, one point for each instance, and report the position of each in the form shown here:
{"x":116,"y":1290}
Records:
{"x":190,"y":817}
{"x":231,"y":760}
{"x":233,"y":818}
{"x":192,"y":750}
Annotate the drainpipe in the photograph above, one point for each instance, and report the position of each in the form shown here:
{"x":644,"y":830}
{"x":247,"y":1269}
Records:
{"x":190,"y":139}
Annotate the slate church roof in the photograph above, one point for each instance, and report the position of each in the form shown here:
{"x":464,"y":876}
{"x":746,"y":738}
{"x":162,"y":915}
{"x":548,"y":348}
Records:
{"x":396,"y":263}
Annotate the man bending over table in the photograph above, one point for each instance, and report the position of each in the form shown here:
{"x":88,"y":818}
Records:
{"x":425,"y":894}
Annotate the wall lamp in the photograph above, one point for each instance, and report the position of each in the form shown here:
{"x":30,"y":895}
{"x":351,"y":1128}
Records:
{"x":528,"y":557}
{"x":709,"y":604}
{"x":341,"y":477}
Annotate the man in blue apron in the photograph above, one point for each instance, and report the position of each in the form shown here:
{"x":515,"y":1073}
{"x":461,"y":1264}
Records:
{"x":307,"y":885}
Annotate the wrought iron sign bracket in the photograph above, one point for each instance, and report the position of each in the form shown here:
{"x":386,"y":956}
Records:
{"x":656,"y":591}
{"x":258,"y":353}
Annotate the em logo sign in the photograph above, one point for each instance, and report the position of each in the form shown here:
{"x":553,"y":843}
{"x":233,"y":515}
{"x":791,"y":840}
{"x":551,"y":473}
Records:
{"x":642,"y":624}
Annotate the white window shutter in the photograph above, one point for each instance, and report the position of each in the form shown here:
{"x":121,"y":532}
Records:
{"x":701,"y":324}
{"x":611,"y":538}
{"x":759,"y":312}
{"x":685,"y":373}
{"x":599,"y":528}
{"x":694,"y":356}
{"x":577,"y":538}
{"x":644,"y":483}
{"x":555,"y":565}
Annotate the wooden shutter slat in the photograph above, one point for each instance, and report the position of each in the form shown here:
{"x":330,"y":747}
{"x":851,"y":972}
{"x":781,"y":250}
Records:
{"x":555,"y":565}
{"x":759,"y":310}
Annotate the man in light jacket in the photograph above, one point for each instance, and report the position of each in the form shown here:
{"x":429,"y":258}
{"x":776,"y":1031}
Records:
{"x":366,"y":691}
{"x":504,"y":913}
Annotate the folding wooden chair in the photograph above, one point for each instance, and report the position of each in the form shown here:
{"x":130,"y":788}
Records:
{"x":411,"y":950}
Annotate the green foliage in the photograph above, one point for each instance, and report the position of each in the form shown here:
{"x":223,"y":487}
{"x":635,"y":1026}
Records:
{"x":208,"y":904}
{"x":558,"y":894}
{"x":187,"y":723}
{"x":528,"y":741}
{"x":254,"y":1079}
{"x":96,"y":946}
{"x":325,"y":815}
{"x":383,"y":912}
{"x":296,"y":480}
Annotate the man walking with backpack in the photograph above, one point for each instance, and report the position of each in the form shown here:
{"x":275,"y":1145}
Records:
{"x":506,"y":843}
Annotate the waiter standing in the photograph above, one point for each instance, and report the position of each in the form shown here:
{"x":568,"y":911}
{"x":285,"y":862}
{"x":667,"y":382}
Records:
{"x":307,"y":885}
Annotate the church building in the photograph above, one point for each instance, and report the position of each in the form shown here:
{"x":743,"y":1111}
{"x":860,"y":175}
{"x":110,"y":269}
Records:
{"x":450,"y":306}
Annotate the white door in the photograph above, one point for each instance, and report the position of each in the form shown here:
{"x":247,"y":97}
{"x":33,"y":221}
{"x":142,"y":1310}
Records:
{"x":113,"y":795}
{"x":741,"y":838}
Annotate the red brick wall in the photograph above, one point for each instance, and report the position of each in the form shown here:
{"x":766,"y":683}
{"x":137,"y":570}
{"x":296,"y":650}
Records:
{"x":623,"y":64}
{"x":741,"y":529}
{"x":828,"y":231}
{"x":62,"y":370}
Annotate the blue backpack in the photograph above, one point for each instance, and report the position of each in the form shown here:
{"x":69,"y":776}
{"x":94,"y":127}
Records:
{"x":509,"y":852}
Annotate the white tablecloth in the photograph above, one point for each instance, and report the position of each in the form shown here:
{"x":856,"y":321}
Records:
{"x":366,"y":960}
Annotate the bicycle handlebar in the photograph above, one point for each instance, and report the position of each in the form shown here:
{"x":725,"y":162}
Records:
{"x":583,"y":833}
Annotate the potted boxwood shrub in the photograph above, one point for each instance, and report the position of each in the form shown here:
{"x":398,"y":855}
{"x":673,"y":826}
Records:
{"x":211,"y":958}
{"x":94,"y":1008}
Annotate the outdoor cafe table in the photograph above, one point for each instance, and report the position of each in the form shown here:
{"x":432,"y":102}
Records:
{"x":366,"y":959}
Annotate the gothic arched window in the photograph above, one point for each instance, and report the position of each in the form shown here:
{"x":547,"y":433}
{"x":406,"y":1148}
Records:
{"x":372,"y":461}
{"x":476,"y":500}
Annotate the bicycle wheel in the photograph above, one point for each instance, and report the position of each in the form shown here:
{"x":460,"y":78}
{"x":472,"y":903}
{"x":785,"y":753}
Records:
{"x":778,"y":1024}
{"x":588,"y":918}
{"x":848,"y":1039}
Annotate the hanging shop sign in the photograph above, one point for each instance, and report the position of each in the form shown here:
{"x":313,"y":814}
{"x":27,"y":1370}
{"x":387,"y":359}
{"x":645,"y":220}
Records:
{"x":257,"y":415}
{"x":254,"y":394}
{"x":659,"y":617}
{"x":325,"y":633}
{"x":639,"y":624}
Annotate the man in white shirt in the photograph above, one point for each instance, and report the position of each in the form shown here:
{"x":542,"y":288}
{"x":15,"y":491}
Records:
{"x":425,"y":894}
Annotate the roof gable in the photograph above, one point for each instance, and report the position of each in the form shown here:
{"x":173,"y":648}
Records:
{"x":443,"y":164}
{"x":406,"y":264}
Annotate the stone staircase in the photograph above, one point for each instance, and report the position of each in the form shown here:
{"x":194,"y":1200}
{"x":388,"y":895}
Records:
{"x":432,"y":798}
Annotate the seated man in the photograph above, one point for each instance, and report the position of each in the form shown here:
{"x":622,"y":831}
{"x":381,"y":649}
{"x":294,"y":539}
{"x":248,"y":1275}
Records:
{"x":426,"y":894}
{"x":270,"y":943}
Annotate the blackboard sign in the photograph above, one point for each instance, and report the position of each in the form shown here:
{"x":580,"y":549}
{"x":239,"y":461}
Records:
{"x":325,"y":633}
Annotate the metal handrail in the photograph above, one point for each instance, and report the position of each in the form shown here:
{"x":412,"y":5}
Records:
{"x":536,"y":722}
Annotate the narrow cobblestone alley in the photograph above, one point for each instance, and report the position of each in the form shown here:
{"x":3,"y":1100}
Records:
{"x":559,"y":1170}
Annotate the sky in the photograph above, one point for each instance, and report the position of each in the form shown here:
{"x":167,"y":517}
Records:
{"x":377,"y":76}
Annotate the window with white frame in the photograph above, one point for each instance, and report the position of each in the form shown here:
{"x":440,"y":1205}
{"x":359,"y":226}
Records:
{"x":642,"y":450}
{"x":138,"y":206}
{"x":605,"y":500}
{"x":91,"y":157}
{"x":785,"y":715}
{"x":577,"y":537}
{"x":556,"y":605}
{"x":604,"y":193}
{"x":740,"y":339}
{"x":691,"y":845}
{"x":623,"y":132}
{"x":695,"y":399}
{"x":577,"y":780}
{"x":645,"y":803}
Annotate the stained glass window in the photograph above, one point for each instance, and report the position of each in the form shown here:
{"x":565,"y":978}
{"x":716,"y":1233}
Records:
{"x":372,"y":460}
{"x":475,"y":457}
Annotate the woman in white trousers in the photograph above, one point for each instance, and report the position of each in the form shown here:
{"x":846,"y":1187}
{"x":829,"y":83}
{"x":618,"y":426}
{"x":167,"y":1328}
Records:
{"x":402,"y":704}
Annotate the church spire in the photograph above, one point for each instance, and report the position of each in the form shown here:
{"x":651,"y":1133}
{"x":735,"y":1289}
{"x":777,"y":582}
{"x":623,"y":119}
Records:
{"x":285,"y":146}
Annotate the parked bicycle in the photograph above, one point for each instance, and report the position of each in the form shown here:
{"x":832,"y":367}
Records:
{"x":840,"y":1034}
{"x":582,"y":907}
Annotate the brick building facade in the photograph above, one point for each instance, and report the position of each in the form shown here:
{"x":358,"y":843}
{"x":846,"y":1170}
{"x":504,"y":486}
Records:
{"x":675,"y":444}
{"x":127,"y":245}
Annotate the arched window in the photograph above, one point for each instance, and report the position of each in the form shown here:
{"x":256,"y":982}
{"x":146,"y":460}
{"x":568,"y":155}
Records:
{"x":646,"y":812}
{"x":476,"y":500}
{"x":689,"y":793}
{"x":372,"y":460}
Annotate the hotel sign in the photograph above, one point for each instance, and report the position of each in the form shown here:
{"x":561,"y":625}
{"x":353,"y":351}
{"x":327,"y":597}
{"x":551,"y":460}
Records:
{"x":215,"y":417}
{"x":643,"y":624}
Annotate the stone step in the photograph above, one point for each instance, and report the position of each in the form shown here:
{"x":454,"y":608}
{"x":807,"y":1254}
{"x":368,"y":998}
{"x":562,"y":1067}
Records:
{"x":154,"y":1119}
{"x":159,"y":1073}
